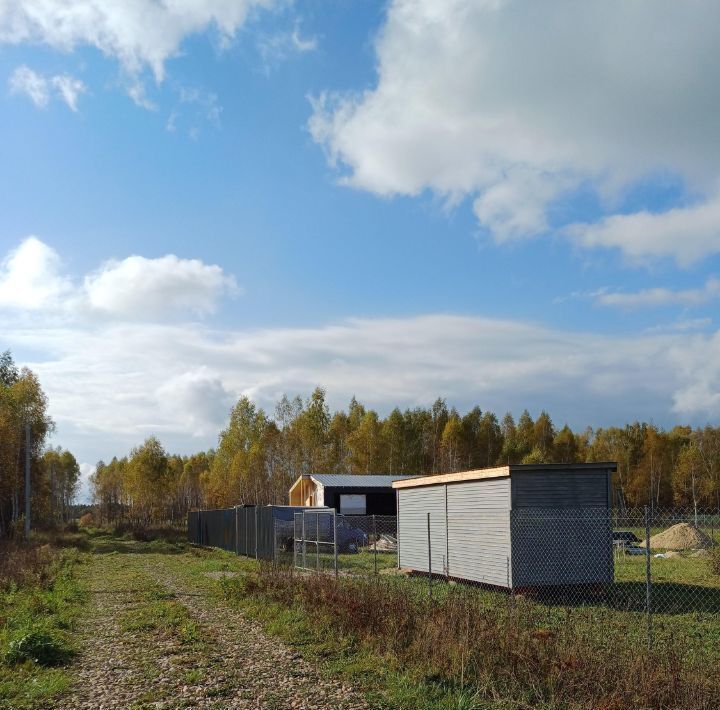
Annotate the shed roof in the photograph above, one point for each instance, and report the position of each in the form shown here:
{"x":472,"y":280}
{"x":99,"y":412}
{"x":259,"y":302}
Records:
{"x":332,"y":480}
{"x":500,"y":472}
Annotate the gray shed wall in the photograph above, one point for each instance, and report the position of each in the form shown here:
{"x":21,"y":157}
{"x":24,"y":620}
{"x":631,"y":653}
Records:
{"x":414,"y":505}
{"x":479,"y":546}
{"x":561,"y":527}
{"x":564,"y":488}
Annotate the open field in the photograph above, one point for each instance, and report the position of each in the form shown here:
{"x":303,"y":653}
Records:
{"x":140,"y":623}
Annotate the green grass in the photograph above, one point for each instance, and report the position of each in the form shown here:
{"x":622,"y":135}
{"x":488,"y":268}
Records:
{"x":386,"y":682}
{"x":686,"y":596}
{"x":363,"y":562}
{"x":389,"y":682}
{"x":37,"y":622}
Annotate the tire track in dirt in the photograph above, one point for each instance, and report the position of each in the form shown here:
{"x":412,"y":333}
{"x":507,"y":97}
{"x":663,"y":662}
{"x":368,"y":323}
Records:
{"x":264,"y":672}
{"x":229,"y":663}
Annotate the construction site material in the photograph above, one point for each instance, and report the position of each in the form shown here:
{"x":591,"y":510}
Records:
{"x":387,"y":543}
{"x":682,"y":536}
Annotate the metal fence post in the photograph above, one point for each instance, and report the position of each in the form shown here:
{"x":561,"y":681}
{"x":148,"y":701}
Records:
{"x":375,"y":538}
{"x":648,"y":580}
{"x":304,"y":546}
{"x":256,"y":532}
{"x":335,"y":550}
{"x":295,"y":540}
{"x":429,"y":558}
{"x":317,"y":541}
{"x":274,"y":542}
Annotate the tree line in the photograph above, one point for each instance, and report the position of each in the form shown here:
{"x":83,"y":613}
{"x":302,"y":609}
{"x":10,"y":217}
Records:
{"x":259,"y":456}
{"x":54,"y":473}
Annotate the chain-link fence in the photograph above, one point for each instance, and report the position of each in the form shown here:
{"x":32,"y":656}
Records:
{"x":578,"y":556}
{"x":345,"y":544}
{"x":593,"y":564}
{"x":651,"y":573}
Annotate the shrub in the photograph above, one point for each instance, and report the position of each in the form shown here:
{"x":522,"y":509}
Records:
{"x":714,"y":560}
{"x":24,"y":565}
{"x":37,"y":646}
{"x":86,"y":520}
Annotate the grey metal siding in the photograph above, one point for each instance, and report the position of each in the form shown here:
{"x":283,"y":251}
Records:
{"x":561,"y":546}
{"x":574,"y":488}
{"x":479,"y":546}
{"x":561,"y":527}
{"x":414,"y":504}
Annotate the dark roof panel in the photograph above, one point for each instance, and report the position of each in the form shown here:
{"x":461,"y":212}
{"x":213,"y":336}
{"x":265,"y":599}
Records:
{"x":332,"y":480}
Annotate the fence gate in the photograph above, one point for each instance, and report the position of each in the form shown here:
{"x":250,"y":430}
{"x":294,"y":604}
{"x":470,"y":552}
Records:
{"x":315,"y":541}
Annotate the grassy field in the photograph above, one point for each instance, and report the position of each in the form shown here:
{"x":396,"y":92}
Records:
{"x":40,"y":602}
{"x":468,"y":647}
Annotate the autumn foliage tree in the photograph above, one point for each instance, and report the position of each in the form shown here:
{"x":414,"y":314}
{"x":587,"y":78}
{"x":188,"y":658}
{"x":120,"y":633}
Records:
{"x":54,"y":474}
{"x":259,"y":456}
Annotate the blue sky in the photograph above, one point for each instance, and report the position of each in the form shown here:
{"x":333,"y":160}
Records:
{"x":504,"y":203}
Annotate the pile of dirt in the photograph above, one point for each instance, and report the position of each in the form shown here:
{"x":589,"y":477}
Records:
{"x":387,"y":543}
{"x":682,"y":536}
{"x":406,"y":571}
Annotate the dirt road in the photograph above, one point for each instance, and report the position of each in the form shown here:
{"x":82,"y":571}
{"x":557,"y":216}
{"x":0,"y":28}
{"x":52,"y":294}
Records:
{"x":154,"y":636}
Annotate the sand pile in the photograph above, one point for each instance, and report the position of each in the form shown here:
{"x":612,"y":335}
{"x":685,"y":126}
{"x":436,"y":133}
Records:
{"x":387,"y":543}
{"x":679,"y":537}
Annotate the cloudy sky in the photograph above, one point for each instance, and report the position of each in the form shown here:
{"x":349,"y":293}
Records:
{"x":503,"y":202}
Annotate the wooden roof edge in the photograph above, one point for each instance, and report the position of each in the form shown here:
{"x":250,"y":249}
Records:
{"x":498,"y":472}
{"x":302,"y":477}
{"x":603,"y":465}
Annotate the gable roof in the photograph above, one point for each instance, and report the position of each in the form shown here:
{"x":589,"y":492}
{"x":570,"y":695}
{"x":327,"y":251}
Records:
{"x":332,"y":480}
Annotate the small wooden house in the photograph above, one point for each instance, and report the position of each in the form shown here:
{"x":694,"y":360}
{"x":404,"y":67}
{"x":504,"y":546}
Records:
{"x":514,"y":526}
{"x":348,"y":494}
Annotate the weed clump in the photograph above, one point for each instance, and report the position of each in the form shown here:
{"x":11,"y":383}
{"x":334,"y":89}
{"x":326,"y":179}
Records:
{"x":37,"y":646}
{"x":24,"y":566}
{"x":714,"y":560}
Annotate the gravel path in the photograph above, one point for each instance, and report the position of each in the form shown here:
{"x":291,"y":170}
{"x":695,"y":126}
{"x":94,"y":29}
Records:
{"x":229,"y":663}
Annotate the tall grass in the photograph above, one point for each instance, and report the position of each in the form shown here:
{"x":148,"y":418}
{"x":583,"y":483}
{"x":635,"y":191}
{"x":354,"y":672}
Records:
{"x":40,"y":599}
{"x":23,"y":566}
{"x":501,"y":653}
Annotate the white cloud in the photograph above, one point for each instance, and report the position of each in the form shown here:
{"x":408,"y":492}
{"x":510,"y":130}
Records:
{"x":195,"y":108}
{"x":662,"y":296}
{"x":30,"y":277}
{"x":39,"y":89}
{"x":303,"y":44}
{"x":84,"y":493}
{"x":134,"y":288}
{"x":198,"y":400}
{"x":682,"y":325}
{"x":26,"y":81}
{"x":137,"y":91}
{"x":686,"y":233}
{"x":157,"y":287}
{"x":515,"y":103}
{"x":114,"y":377}
{"x":69,"y":88}
{"x":277,"y":47}
{"x":112,"y":385}
{"x":138,"y":33}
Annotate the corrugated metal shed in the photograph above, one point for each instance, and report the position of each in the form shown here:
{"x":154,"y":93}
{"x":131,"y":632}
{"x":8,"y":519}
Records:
{"x":510,"y":526}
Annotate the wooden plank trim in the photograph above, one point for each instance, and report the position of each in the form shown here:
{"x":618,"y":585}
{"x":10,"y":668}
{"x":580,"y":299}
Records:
{"x":499,"y":472}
